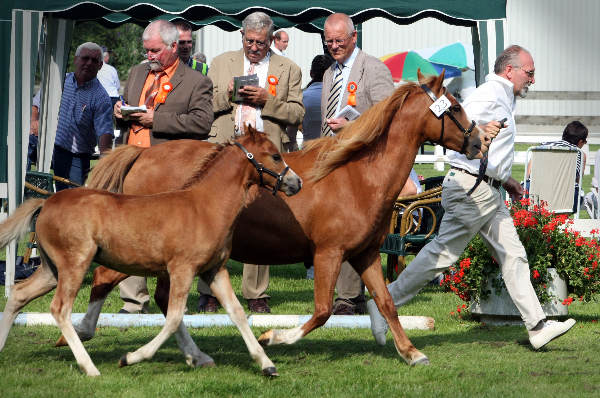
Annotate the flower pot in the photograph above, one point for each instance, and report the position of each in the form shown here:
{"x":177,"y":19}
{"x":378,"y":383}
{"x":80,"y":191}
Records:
{"x":500,"y":309}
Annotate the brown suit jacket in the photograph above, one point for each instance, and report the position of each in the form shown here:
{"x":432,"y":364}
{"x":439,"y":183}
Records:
{"x":187,"y":111}
{"x":284,"y":109}
{"x":373,"y":78}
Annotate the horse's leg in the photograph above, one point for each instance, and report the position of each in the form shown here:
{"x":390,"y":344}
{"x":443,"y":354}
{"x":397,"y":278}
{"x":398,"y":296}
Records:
{"x":327,"y":268}
{"x":221,"y":288}
{"x":71,"y":273}
{"x":105,"y":280}
{"x":373,"y":278}
{"x":193,"y":356}
{"x":181,"y":277}
{"x":38,"y":284}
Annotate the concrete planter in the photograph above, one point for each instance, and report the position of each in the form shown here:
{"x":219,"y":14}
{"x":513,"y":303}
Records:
{"x":501,"y":309}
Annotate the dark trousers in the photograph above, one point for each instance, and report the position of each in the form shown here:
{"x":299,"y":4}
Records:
{"x":72,"y":166}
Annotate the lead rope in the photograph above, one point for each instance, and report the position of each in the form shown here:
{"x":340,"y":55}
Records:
{"x":483,"y":165}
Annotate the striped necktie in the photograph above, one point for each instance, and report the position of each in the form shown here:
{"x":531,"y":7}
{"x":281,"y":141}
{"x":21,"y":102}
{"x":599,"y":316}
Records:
{"x":333,"y":99}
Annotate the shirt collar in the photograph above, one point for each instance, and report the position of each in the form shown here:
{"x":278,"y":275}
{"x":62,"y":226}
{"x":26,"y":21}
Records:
{"x":506,"y":84}
{"x":263,"y":61}
{"x":350,"y":61}
{"x":170,"y":70}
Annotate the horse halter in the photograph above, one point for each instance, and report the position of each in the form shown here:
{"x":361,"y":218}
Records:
{"x":466,"y":132}
{"x":260,"y":168}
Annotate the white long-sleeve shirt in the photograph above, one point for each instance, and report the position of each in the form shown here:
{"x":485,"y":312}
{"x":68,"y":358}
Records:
{"x":493,"y":100}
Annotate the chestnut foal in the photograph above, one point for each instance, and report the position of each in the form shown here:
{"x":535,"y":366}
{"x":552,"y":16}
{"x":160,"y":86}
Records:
{"x":180,"y":234}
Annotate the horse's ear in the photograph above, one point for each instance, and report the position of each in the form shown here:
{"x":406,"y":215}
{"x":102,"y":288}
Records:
{"x":420,"y":76}
{"x":438,"y":83}
{"x":251,"y":131}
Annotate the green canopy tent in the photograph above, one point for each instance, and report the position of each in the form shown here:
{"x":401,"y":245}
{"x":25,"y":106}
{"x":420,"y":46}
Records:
{"x":31,"y":28}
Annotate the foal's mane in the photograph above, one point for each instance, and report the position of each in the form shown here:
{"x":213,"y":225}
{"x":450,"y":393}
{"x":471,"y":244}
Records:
{"x":204,"y":165}
{"x":360,"y":134}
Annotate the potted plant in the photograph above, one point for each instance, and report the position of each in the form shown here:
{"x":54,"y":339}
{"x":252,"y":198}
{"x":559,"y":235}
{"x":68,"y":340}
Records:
{"x":554,"y":251}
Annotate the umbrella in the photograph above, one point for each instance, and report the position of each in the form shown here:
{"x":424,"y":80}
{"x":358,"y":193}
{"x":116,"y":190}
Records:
{"x":404,"y":65}
{"x":457,"y":54}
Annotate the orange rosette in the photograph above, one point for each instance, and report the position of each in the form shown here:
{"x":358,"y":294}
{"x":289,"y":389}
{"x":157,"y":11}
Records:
{"x":165,"y":88}
{"x":273,"y":81}
{"x":352,"y":87}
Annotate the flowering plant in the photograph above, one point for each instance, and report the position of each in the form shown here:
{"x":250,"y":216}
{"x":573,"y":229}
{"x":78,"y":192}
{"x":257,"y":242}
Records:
{"x":548,"y":241}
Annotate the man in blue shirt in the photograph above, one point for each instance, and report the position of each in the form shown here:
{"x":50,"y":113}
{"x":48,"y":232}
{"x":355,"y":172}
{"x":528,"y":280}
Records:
{"x":84,"y":118}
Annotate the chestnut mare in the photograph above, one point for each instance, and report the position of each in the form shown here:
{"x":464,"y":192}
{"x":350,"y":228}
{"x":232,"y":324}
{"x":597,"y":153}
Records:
{"x":342,"y":213}
{"x":174,"y":235}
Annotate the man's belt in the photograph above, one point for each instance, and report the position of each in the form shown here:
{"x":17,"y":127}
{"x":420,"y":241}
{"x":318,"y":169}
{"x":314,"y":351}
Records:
{"x":490,"y":181}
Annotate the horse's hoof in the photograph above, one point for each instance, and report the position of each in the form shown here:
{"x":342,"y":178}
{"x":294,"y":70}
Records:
{"x":421,"y":360}
{"x":123,"y":361}
{"x":265,"y":338}
{"x":270,"y":372}
{"x":61,"y":342}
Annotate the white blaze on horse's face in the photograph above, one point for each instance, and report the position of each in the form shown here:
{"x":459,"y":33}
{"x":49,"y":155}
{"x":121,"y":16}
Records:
{"x":291,"y":183}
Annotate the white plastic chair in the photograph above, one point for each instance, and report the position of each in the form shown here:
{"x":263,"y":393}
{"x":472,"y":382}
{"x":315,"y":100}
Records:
{"x":553,"y":176}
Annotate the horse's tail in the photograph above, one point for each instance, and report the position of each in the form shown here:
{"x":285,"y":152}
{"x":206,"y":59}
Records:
{"x":17,"y":225}
{"x":110,"y":172}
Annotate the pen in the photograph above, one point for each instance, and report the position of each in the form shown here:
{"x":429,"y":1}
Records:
{"x":122,"y":99}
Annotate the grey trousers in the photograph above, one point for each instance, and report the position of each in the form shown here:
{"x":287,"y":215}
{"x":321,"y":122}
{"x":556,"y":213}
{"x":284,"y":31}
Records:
{"x":255,"y":282}
{"x":134,"y":293}
{"x":483,"y":212}
{"x":349,"y":285}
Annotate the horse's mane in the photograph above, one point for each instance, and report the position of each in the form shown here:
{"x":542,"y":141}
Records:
{"x":204,"y":165}
{"x":363,"y":132}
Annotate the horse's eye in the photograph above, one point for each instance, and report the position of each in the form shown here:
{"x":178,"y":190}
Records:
{"x":455,"y":108}
{"x":277,"y":157}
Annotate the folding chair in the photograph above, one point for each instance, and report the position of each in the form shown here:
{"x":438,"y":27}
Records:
{"x":554,"y":176}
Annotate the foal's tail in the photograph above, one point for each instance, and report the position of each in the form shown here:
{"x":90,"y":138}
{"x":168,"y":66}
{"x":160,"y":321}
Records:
{"x":18,"y":224}
{"x":110,"y":172}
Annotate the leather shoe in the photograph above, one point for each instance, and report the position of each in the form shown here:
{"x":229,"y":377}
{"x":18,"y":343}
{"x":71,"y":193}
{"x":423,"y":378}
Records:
{"x":343,"y":307}
{"x":259,"y":305}
{"x":208,"y":303}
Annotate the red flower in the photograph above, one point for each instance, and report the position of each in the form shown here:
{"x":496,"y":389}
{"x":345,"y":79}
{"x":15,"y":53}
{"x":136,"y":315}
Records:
{"x":535,"y":274}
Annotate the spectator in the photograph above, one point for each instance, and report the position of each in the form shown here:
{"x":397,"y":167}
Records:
{"x":185,"y":113}
{"x":280,"y":42}
{"x":267,"y":109}
{"x":109,"y":78}
{"x":369,"y":81}
{"x":34,"y":125}
{"x":184,"y":48}
{"x":84,"y":118}
{"x":483,"y":211}
{"x":311,"y":97}
{"x":199,"y":62}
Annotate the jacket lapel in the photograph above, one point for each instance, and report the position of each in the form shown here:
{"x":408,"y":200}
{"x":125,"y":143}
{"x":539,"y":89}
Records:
{"x":356,"y":75}
{"x":138,"y":85}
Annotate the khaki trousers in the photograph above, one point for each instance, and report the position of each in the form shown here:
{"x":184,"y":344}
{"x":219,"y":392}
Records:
{"x":483,"y":212}
{"x":349,"y":285}
{"x":134,"y":293}
{"x":255,"y":282}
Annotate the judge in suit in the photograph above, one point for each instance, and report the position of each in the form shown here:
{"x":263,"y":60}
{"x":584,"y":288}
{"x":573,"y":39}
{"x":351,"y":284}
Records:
{"x":185,"y":111}
{"x":359,"y":80}
{"x":271,"y":106}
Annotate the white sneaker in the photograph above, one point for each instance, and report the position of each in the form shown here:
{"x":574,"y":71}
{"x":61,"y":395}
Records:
{"x":550,"y":331}
{"x":379,"y":326}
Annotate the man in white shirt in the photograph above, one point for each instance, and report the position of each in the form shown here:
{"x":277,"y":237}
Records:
{"x":483,"y":211}
{"x":109,"y":78}
{"x":280,"y":43}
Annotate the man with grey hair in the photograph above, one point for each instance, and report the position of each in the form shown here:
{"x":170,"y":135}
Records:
{"x":372,"y":82}
{"x":269,"y":106}
{"x":178,"y":104}
{"x":84,"y":117}
{"x":483,"y":212}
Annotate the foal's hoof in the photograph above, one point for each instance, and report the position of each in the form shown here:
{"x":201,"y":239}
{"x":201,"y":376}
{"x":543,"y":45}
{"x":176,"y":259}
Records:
{"x":265,"y":338}
{"x":123,"y":361}
{"x":61,"y":342}
{"x":419,"y":360}
{"x":270,"y":372}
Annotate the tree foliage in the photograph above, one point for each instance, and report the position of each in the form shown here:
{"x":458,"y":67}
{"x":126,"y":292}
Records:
{"x":124,"y":44}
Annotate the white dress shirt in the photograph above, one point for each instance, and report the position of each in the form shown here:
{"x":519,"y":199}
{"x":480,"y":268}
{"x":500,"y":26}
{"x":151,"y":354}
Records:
{"x":109,"y":78}
{"x":493,"y":100}
{"x":261,"y":70}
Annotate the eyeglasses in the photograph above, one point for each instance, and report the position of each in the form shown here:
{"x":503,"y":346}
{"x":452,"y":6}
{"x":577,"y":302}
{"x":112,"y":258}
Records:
{"x":184,"y":42}
{"x":530,"y":73}
{"x":259,"y":44}
{"x":339,"y":42}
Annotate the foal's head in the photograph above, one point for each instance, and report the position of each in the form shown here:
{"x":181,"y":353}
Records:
{"x":451,"y":127}
{"x":271,"y":169}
